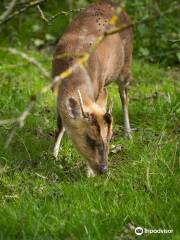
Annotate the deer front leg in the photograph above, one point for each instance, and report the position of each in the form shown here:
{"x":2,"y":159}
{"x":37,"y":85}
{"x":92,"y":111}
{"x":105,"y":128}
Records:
{"x":90,"y":172}
{"x":123,"y":91}
{"x":59,"y":135}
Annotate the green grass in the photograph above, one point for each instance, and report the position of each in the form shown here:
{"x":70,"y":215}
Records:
{"x":41,"y":198}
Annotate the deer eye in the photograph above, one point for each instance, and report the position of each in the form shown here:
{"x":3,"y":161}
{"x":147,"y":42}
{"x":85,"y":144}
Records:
{"x":91,"y":142}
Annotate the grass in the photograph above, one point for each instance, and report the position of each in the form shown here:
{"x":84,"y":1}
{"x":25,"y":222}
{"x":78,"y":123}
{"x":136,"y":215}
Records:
{"x":41,"y":198}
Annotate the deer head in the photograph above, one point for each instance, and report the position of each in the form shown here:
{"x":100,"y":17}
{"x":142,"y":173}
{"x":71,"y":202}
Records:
{"x":90,"y":128}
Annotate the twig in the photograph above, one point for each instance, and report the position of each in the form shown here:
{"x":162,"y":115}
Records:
{"x":4,"y":67}
{"x":42,"y":14}
{"x":19,"y":121}
{"x":8,"y":11}
{"x":10,"y":137}
{"x":31,"y":60}
{"x":18,"y":12}
{"x":174,"y":40}
{"x":40,"y":175}
{"x":154,"y":95}
{"x":15,"y":196}
{"x":70,"y":5}
{"x":65,"y":13}
{"x":50,"y":19}
{"x":118,"y":29}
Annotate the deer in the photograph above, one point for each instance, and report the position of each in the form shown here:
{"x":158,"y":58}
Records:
{"x":82,"y":97}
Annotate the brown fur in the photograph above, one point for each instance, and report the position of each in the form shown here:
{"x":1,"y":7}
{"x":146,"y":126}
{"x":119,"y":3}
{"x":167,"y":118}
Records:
{"x":111,"y":60}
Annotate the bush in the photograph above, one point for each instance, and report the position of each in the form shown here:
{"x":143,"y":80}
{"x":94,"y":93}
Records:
{"x":156,"y":40}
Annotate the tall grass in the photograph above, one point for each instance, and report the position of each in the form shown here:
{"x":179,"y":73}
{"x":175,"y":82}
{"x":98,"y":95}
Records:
{"x":41,"y":198}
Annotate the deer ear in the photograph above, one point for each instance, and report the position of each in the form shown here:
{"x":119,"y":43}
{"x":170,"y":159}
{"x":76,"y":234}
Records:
{"x":73,"y":108}
{"x":102,"y":98}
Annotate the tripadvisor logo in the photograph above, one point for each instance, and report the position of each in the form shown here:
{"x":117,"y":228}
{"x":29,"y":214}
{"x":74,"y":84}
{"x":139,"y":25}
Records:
{"x":139,"y":231}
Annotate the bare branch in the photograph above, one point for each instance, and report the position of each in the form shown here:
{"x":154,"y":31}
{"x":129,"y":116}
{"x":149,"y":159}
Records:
{"x":8,"y":10}
{"x":18,"y":12}
{"x":70,"y":5}
{"x":31,"y":60}
{"x":19,"y":121}
{"x":42,"y":14}
{"x":60,"y":13}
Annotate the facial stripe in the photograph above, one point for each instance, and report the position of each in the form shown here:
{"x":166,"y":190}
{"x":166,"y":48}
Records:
{"x":108,"y":119}
{"x":102,"y":152}
{"x":91,"y":142}
{"x":95,"y":122}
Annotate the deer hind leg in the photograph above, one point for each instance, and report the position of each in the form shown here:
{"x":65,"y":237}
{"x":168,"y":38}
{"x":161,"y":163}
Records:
{"x":123,"y":91}
{"x":127,"y":40}
{"x":58,"y":137}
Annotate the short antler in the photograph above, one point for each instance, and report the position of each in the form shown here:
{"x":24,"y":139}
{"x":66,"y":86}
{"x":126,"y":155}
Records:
{"x":81,"y":103}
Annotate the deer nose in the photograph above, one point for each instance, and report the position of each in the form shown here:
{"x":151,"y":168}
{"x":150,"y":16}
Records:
{"x":103,"y":168}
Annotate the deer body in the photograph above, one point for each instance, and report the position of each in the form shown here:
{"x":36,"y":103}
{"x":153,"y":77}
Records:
{"x":82,"y":97}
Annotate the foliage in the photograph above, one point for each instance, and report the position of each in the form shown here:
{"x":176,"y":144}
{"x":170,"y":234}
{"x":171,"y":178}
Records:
{"x":156,"y":41}
{"x":45,"y":199}
{"x":159,"y":39}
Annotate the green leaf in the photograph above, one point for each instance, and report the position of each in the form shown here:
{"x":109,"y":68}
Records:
{"x":178,"y":56}
{"x":144,"y":51}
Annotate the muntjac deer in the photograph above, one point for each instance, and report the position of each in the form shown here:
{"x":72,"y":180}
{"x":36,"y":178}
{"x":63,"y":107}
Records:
{"x":82,"y":96}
